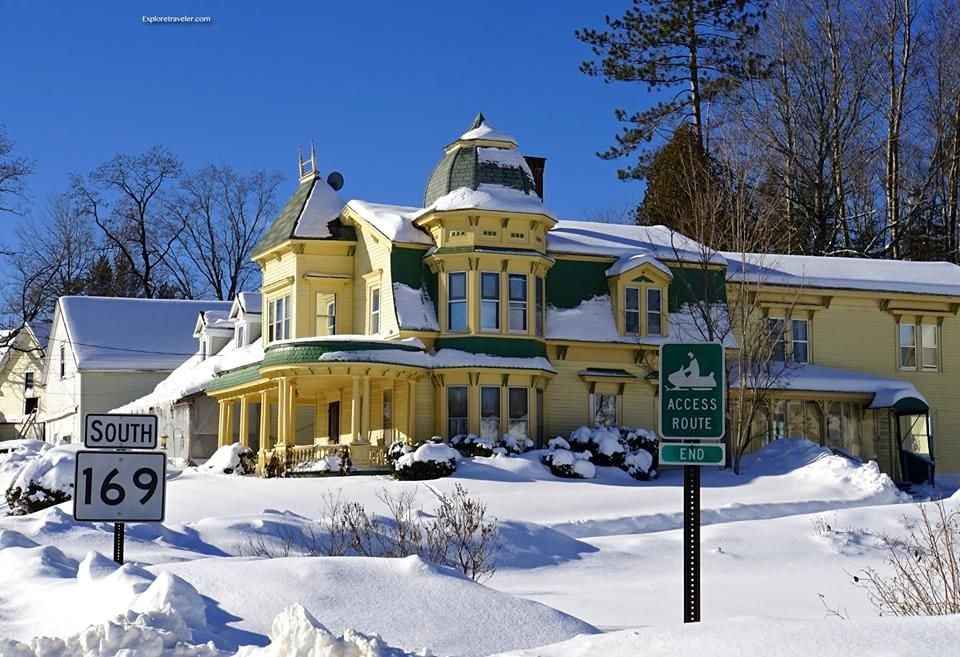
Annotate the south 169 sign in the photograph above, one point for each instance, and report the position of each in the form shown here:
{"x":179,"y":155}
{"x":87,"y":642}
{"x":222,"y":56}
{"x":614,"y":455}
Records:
{"x":692,"y":391}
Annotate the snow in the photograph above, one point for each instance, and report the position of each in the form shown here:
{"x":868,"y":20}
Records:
{"x":116,"y":333}
{"x":887,"y":391}
{"x":322,"y":206}
{"x":618,"y":240}
{"x":488,"y":197}
{"x":488,"y":132}
{"x":443,"y":358}
{"x":194,"y":375}
{"x":53,"y":469}
{"x":887,"y":637}
{"x":395,"y":222}
{"x":845,"y":273}
{"x":504,"y":157}
{"x":628,"y":262}
{"x":428,"y":453}
{"x":225,"y":460}
{"x":415,"y":309}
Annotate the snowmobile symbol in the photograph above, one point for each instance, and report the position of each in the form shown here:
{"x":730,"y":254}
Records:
{"x":689,"y":377}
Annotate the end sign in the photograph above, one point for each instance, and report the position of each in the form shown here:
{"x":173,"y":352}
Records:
{"x":692,"y":391}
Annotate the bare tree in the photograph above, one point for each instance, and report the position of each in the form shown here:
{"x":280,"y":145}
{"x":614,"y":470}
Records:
{"x":223,"y":214}
{"x":13,"y":173}
{"x":126,"y":198}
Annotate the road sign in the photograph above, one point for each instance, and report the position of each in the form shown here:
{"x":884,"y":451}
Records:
{"x":693,"y":397}
{"x":693,"y":454}
{"x":105,"y":431}
{"x":120,"y":486}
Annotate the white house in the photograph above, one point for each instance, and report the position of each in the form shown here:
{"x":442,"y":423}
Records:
{"x":21,"y":381}
{"x":187,"y":417}
{"x":104,"y":352}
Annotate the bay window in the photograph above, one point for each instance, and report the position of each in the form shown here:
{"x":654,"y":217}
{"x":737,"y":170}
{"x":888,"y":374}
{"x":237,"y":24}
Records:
{"x":490,"y":412}
{"x":457,"y":301}
{"x":456,"y":411}
{"x":539,"y":295}
{"x":489,"y":301}
{"x":632,"y":311}
{"x":518,"y":302}
{"x":519,"y":413}
{"x":278,"y":319}
{"x":654,"y":313}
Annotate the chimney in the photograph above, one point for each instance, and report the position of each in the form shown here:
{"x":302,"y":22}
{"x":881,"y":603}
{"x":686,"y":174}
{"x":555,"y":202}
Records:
{"x":537,"y":165}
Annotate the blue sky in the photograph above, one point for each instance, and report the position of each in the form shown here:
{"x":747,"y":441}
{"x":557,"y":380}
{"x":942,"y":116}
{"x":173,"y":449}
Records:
{"x":380,"y":88}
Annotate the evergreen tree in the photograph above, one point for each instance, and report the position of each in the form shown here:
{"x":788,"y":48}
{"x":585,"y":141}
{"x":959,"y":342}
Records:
{"x":691,"y":51}
{"x":100,"y":278}
{"x":677,"y":171}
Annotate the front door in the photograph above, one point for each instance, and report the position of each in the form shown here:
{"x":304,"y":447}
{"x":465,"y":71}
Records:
{"x":333,"y":421}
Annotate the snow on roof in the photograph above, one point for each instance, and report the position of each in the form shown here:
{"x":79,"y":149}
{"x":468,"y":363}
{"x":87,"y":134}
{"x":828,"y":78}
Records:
{"x":887,"y":391}
{"x":504,"y":157}
{"x":628,"y":262}
{"x":488,"y":197}
{"x":248,"y":303}
{"x":594,"y":321}
{"x":442,"y":359}
{"x":213,"y":320}
{"x":845,"y":273}
{"x":488,"y":132}
{"x":618,"y":240}
{"x":194,"y":374}
{"x":395,"y":222}
{"x":116,"y":333}
{"x":322,"y":206}
{"x":415,"y":309}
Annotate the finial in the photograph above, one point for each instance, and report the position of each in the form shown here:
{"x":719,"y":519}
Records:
{"x":478,"y":121}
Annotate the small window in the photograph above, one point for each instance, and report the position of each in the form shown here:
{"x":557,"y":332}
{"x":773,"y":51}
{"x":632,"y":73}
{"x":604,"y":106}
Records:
{"x":332,"y":317}
{"x":929,"y":358}
{"x":654,"y":314}
{"x":539,"y":305}
{"x":241,"y":329}
{"x":63,"y":361}
{"x":30,"y":405}
{"x":489,"y":301}
{"x":28,"y":380}
{"x":456,"y":411}
{"x":604,"y":410}
{"x":800,"y":340}
{"x":778,"y":350}
{"x":457,"y":301}
{"x":518,"y":408}
{"x":278,"y":319}
{"x":631,"y":311}
{"x":325,"y":321}
{"x":375,"y":310}
{"x":908,"y":346}
{"x":490,"y":412}
{"x":518,"y":302}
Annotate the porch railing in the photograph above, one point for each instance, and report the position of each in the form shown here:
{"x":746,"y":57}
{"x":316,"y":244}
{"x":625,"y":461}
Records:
{"x":283,"y":459}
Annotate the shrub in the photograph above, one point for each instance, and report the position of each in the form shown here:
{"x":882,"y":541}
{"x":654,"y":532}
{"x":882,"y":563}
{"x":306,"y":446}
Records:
{"x":639,"y":464}
{"x":396,"y":450}
{"x":632,"y":450}
{"x":35,"y":498}
{"x":429,"y":461}
{"x":473,"y":445}
{"x":570,"y":465}
{"x":516,"y":442}
{"x":558,"y":443}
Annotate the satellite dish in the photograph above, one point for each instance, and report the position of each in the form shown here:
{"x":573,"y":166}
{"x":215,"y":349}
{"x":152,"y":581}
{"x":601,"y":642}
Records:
{"x":335,"y":180}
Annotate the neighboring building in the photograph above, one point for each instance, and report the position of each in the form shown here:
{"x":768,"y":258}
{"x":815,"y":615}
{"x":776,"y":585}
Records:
{"x":21,"y":383}
{"x":186,"y":416}
{"x":481,"y":312}
{"x":106,"y":351}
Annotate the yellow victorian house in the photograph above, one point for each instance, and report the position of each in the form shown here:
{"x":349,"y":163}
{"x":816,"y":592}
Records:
{"x":480,"y":312}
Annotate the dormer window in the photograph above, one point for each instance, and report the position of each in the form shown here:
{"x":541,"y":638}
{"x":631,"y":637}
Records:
{"x":632,"y":312}
{"x":643,"y":311}
{"x":654,"y":314}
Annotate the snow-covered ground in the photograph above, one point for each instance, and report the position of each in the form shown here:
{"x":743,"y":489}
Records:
{"x":578,"y":556}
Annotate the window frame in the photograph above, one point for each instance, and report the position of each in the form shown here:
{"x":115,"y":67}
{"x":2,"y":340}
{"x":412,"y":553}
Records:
{"x":794,"y":321}
{"x":373,"y":316}
{"x":516,"y":304}
{"x":923,"y":348}
{"x":495,"y":390}
{"x":63,"y":362}
{"x":278,"y":326}
{"x":459,"y":301}
{"x":904,"y":348}
{"x":525,"y":418}
{"x":628,"y":311}
{"x":486,"y":301}
{"x":659,"y":312}
{"x":28,"y":380}
{"x":778,"y":352}
{"x":332,"y":316}
{"x":539,"y":304}
{"x":464,"y":418}
{"x":596,"y":399}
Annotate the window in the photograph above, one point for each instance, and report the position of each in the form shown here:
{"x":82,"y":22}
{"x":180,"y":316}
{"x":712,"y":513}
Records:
{"x":908,"y":346}
{"x":539,"y":305}
{"x":800,"y":339}
{"x":653,"y":311}
{"x":278,"y":319}
{"x":456,"y":411}
{"x":375,"y":310}
{"x":929,"y":359}
{"x":631,"y":311}
{"x":489,"y":301}
{"x":457,"y":301}
{"x":332,"y":317}
{"x":604,"y":410}
{"x":778,"y":348}
{"x":30,"y":405}
{"x":27,"y":380}
{"x":518,"y":302}
{"x":387,"y":413}
{"x":518,"y":409}
{"x":63,"y":361}
{"x":490,"y":412}
{"x":325,"y":322}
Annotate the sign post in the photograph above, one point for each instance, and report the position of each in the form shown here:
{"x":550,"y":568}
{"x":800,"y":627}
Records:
{"x":693,"y":398}
{"x":114,"y":483}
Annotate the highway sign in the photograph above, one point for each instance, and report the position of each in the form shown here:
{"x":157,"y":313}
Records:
{"x":692,"y":454}
{"x":105,"y":431}
{"x":693,"y":391}
{"x":120,"y":486}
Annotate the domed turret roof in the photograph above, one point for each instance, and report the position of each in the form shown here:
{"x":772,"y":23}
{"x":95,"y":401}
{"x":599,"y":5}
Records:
{"x":481,"y":156}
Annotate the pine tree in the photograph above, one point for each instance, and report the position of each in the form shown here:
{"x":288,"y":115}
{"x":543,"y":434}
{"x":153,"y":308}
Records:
{"x":676,"y":172}
{"x":100,"y":278}
{"x":692,"y":51}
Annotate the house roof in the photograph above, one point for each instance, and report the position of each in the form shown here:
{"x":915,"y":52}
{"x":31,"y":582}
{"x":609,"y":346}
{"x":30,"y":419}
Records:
{"x":395,"y":222}
{"x":116,"y":333}
{"x":619,"y":240}
{"x":312,"y":212}
{"x":248,"y":303}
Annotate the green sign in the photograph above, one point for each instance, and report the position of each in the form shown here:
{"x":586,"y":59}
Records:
{"x":692,"y":454}
{"x":692,"y":391}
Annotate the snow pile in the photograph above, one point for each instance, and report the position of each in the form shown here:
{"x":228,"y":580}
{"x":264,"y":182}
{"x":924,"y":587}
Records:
{"x":328,"y":463}
{"x":17,"y":454}
{"x":230,"y":459}
{"x":415,"y":309}
{"x":395,"y":222}
{"x":632,"y":261}
{"x":630,"y":449}
{"x":489,"y":197}
{"x":490,"y":443}
{"x":486,"y":131}
{"x":45,"y":478}
{"x":295,"y":633}
{"x":618,"y":240}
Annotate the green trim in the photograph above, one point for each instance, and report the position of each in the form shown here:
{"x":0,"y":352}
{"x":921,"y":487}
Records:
{"x":493,"y":346}
{"x":910,"y":406}
{"x":310,"y":352}
{"x":235,"y":377}
{"x":696,"y":285}
{"x":571,"y":282}
{"x":506,"y":250}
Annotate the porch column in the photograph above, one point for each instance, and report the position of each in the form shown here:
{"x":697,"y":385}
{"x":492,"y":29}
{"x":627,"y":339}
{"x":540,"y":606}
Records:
{"x":291,"y":421}
{"x":365,"y":410}
{"x":281,"y":410}
{"x":355,"y":411}
{"x":222,"y":423}
{"x":411,"y":411}
{"x":228,"y":423}
{"x":244,"y":422}
{"x":264,"y":421}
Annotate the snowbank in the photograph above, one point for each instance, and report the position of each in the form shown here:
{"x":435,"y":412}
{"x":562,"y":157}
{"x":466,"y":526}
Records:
{"x":46,"y":477}
{"x":229,"y":459}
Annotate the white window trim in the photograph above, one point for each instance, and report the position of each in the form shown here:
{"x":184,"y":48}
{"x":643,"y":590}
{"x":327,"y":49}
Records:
{"x":374,"y":314}
{"x":284,"y":323}
{"x":921,"y":346}
{"x":809,"y":341}
{"x":916,"y":347}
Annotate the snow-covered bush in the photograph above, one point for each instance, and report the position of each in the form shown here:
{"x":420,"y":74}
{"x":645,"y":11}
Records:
{"x":558,"y":443}
{"x":428,"y":461}
{"x":632,"y":450}
{"x":516,"y":441}
{"x":570,"y":465}
{"x":45,"y":479}
{"x":339,"y":463}
{"x":639,"y":465}
{"x":473,"y":445}
{"x":396,"y":450}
